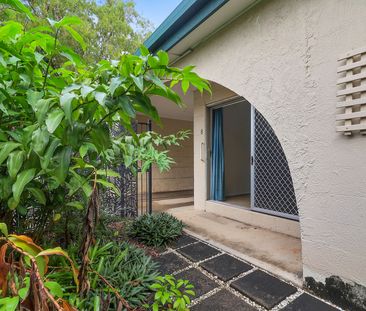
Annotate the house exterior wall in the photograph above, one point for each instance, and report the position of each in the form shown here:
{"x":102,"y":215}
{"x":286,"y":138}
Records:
{"x":180,"y":176}
{"x":282,"y":57}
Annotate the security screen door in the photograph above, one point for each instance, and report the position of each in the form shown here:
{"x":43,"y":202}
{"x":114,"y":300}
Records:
{"x":272,"y":188}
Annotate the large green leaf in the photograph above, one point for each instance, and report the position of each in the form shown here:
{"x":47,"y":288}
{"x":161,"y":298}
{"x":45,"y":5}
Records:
{"x":6,"y":148}
{"x":49,"y":153}
{"x":3,"y":229}
{"x":38,"y":194}
{"x":19,"y":6}
{"x":76,"y":36}
{"x":63,"y":166}
{"x":15,"y":162}
{"x":66,"y":104}
{"x":54,"y":119}
{"x":22,"y":180}
{"x":40,"y":139}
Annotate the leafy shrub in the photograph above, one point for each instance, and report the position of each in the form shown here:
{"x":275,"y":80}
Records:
{"x":171,"y":294}
{"x":156,"y":229}
{"x":126,"y":268}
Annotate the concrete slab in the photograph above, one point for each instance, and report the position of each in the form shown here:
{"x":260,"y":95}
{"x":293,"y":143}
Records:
{"x":223,"y":301}
{"x":202,"y":283}
{"x":199,"y":251}
{"x":225,"y":267}
{"x":263,"y":288}
{"x":183,"y":241}
{"x":307,"y":302}
{"x":170,"y":262}
{"x":273,"y":251}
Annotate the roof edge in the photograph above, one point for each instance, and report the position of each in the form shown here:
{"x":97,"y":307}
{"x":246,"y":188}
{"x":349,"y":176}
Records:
{"x":186,"y":17}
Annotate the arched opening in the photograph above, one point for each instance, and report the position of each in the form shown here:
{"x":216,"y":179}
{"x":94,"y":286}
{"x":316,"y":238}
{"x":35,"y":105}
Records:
{"x":248,"y":167}
{"x":255,"y":212}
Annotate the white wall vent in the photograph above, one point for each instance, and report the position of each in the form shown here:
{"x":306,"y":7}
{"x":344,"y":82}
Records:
{"x":351,"y":94}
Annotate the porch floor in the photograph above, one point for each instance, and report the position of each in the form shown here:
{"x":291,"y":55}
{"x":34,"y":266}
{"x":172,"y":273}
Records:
{"x":275,"y":252}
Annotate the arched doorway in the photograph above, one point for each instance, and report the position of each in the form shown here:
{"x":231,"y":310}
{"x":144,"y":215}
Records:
{"x":248,"y":167}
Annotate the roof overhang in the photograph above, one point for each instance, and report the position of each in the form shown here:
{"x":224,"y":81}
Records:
{"x":192,"y":22}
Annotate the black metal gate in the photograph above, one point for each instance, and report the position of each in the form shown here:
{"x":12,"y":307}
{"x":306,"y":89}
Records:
{"x":135,"y":188}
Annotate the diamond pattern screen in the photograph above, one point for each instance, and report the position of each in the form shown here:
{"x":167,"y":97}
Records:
{"x":273,"y":187}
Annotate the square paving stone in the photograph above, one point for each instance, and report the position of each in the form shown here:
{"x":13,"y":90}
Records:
{"x":183,"y":241}
{"x":223,"y":301}
{"x":202,"y":283}
{"x":263,"y":288}
{"x":198,"y":251}
{"x":170,"y":262}
{"x":306,"y":302}
{"x":225,"y":267}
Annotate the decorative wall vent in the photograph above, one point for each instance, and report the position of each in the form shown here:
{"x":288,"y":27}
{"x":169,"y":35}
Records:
{"x":351,"y":94}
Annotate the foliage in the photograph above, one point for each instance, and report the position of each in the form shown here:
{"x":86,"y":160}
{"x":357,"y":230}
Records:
{"x":126,"y":267}
{"x":24,"y":272}
{"x":155,"y":229}
{"x":171,"y":294}
{"x":107,"y":27}
{"x":56,"y":142}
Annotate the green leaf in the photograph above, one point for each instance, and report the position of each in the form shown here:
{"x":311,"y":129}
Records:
{"x":139,"y":81}
{"x":84,"y":149}
{"x":108,"y":172}
{"x":108,"y":184}
{"x":67,"y":21}
{"x":40,"y":139}
{"x":55,"y":289}
{"x":22,"y":180}
{"x":39,"y":195}
{"x":100,"y":97}
{"x":49,"y":153}
{"x":3,"y":229}
{"x":66,"y":104}
{"x":63,"y":166}
{"x":9,"y":303}
{"x":164,"y":58}
{"x":20,"y":7}
{"x":76,"y":36}
{"x":78,"y":205}
{"x":54,"y":119}
{"x":6,"y":148}
{"x":185,"y":86}
{"x":10,"y":30}
{"x":144,"y":51}
{"x":15,"y":162}
{"x":85,"y":91}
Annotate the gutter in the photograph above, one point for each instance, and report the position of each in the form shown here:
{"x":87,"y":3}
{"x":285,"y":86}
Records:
{"x":186,"y":17}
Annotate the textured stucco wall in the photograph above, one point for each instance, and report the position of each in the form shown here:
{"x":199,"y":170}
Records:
{"x":282,"y":57}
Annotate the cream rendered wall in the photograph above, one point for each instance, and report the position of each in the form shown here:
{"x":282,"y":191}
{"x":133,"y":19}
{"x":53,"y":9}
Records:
{"x":180,"y":176}
{"x":282,"y":57}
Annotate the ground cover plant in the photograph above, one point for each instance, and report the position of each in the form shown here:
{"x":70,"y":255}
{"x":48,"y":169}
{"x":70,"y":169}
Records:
{"x":57,"y":148}
{"x":155,"y":230}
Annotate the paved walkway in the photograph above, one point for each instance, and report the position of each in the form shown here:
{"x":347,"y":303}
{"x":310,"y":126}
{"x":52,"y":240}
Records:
{"x":224,"y":282}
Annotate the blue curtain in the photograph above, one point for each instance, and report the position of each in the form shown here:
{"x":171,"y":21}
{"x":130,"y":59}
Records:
{"x":217,"y":183}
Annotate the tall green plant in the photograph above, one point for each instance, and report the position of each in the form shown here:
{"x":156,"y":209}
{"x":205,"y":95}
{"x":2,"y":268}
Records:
{"x":56,"y":112}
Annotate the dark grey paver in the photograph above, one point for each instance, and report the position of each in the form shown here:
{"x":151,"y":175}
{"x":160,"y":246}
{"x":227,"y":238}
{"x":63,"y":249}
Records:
{"x":202,"y":283}
{"x":307,"y":302}
{"x":223,"y":301}
{"x":198,"y":251}
{"x":263,"y":288}
{"x":183,"y":241}
{"x":225,"y":267}
{"x":170,"y":262}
